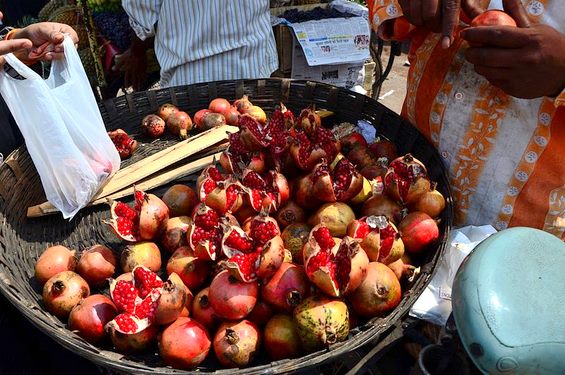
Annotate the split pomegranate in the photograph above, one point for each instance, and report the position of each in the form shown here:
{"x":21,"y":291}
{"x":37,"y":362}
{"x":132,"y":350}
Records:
{"x":309,"y":120}
{"x":124,"y":144}
{"x":64,"y":291}
{"x":184,"y":344}
{"x":90,"y":315}
{"x":379,"y":238}
{"x":143,"y":222}
{"x":237,"y":343}
{"x":407,"y":179}
{"x":281,"y":338}
{"x":153,"y":126}
{"x":232,"y":299}
{"x":337,"y":269}
{"x":341,"y":184}
{"x":265,"y":192}
{"x":192,"y":270}
{"x":379,"y":293}
{"x":204,"y":235}
{"x":53,"y":260}
{"x":308,"y":150}
{"x":96,"y":265}
{"x":129,"y":334}
{"x":320,"y":322}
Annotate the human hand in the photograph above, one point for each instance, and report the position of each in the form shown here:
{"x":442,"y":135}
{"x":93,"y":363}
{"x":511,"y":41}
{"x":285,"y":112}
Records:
{"x":524,"y":61}
{"x":440,"y":16}
{"x":47,"y":40}
{"x":134,"y":67}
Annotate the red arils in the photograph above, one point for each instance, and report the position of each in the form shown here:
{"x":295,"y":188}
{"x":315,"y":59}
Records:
{"x":145,"y":280}
{"x":309,"y":120}
{"x":238,"y":240}
{"x":406,"y":179}
{"x":323,"y":237}
{"x":307,"y":151}
{"x":124,"y":295}
{"x":124,"y":144}
{"x":340,"y":184}
{"x":128,"y":323}
{"x":379,"y":238}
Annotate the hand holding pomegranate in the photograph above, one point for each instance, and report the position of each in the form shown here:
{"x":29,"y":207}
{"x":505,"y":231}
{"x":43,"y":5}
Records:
{"x":519,"y":60}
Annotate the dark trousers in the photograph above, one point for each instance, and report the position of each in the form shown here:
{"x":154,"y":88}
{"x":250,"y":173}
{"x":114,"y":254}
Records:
{"x":10,"y":136}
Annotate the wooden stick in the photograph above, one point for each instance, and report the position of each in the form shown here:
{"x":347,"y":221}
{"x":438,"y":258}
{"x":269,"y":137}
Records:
{"x":126,"y":177}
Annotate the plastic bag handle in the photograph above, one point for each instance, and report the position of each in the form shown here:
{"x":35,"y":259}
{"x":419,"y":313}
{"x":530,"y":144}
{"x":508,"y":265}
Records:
{"x":21,"y":68}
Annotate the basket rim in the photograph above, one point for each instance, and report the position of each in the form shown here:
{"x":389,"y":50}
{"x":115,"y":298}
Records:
{"x":378,"y":327}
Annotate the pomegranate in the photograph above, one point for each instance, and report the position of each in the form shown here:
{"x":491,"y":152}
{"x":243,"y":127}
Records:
{"x":308,"y":150}
{"x":351,"y":141}
{"x":219,"y":105}
{"x":379,"y":238}
{"x":383,"y":148}
{"x":404,"y":270}
{"x":431,"y":203}
{"x":129,"y":334}
{"x":192,"y":270}
{"x":406,"y":179}
{"x":226,"y":196}
{"x":361,"y":157}
{"x":365,"y":193}
{"x":380,"y":204}
{"x":184,"y":344}
{"x":341,"y":184}
{"x":124,"y":144}
{"x":174,"y":233}
{"x":179,"y":123}
{"x":211,"y":120}
{"x":231,"y":115}
{"x":232,"y":299}
{"x":204,"y":235}
{"x":253,"y":135}
{"x":171,"y":302}
{"x":153,"y":126}
{"x":260,"y":314}
{"x":242,"y":104}
{"x":96,"y":265}
{"x":281,"y":338}
{"x":294,"y":237}
{"x":303,"y":188}
{"x":53,"y":260}
{"x":493,"y":17}
{"x":199,"y":118}
{"x":64,"y":291}
{"x":257,"y":113}
{"x":335,"y":216}
{"x":235,"y":162}
{"x":143,"y":222}
{"x":418,"y":231}
{"x":237,"y":343}
{"x":207,"y":181}
{"x":378,"y":169}
{"x":90,"y":315}
{"x":287,"y":288}
{"x":144,"y":253}
{"x":320,"y":322}
{"x":267,"y":192}
{"x":290,"y":213}
{"x":167,"y":110}
{"x":309,"y":120}
{"x":379,"y":293}
{"x":202,"y":310}
{"x":336,"y":268}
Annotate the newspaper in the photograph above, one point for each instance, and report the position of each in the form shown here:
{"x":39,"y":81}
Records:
{"x":333,"y":40}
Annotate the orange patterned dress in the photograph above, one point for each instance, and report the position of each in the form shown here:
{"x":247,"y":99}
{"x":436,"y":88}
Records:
{"x":506,"y":156}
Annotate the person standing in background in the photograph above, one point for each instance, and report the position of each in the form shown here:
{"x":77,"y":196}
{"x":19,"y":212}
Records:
{"x":206,"y":40}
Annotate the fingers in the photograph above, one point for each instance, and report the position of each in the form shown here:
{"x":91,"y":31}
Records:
{"x":450,"y":20}
{"x":8,"y":46}
{"x":430,"y":10}
{"x":471,"y":8}
{"x":495,"y":36}
{"x":494,"y":57}
{"x":515,"y":9}
{"x":416,"y":13}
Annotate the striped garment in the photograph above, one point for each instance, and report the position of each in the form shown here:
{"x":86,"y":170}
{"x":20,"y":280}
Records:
{"x":506,"y":156}
{"x":207,"y":40}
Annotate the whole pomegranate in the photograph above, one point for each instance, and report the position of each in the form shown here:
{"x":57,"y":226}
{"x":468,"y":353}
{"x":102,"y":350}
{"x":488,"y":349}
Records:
{"x":53,"y":260}
{"x":242,"y":104}
{"x":380,"y":204}
{"x":211,"y":120}
{"x":89,"y":317}
{"x":184,"y":344}
{"x":144,"y":253}
{"x":231,"y":115}
{"x":294,"y":237}
{"x":64,"y":291}
{"x":287,"y":288}
{"x":260,"y":314}
{"x":320,"y":322}
{"x":171,"y":302}
{"x":431,"y":203}
{"x":237,"y":343}
{"x":96,"y":265}
{"x":232,"y":299}
{"x":290,"y":213}
{"x":153,"y":126}
{"x":192,"y":270}
{"x":383,"y":148}
{"x":179,"y":123}
{"x":166,"y":110}
{"x":180,"y":199}
{"x":202,"y":310}
{"x":199,"y":118}
{"x":379,"y":293}
{"x":281,"y":338}
{"x":493,"y":17}
{"x":174,"y":233}
{"x":219,"y":105}
{"x":335,"y":216}
{"x":418,"y":231}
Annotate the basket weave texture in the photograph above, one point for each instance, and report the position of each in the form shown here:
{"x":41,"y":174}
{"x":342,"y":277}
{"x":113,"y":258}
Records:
{"x":22,"y":240}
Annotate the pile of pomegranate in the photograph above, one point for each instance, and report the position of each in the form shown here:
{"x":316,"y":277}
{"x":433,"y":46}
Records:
{"x":298,"y":235}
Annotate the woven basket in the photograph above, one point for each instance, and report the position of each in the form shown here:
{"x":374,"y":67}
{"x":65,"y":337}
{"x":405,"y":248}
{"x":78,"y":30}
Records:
{"x":22,"y":240}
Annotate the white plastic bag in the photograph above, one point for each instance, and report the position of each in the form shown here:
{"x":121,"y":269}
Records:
{"x":63,"y":129}
{"x":434,"y":304}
